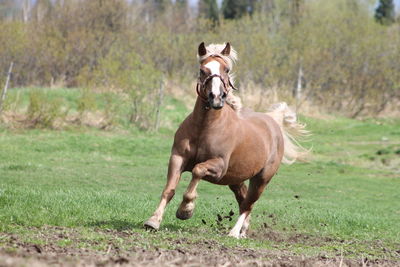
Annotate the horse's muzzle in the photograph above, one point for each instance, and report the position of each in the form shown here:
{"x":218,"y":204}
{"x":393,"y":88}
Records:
{"x":216,"y":102}
{"x":219,"y":106}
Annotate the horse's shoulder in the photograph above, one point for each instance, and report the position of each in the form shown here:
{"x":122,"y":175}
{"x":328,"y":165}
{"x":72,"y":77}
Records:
{"x":184,"y":138}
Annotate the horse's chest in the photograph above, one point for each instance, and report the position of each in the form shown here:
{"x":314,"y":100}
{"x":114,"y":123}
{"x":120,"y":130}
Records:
{"x":208,"y":148}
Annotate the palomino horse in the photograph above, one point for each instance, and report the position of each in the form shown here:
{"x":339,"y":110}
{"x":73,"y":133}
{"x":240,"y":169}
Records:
{"x":225,"y":145}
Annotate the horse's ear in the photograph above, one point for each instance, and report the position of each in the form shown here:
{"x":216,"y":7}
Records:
{"x":202,"y":49}
{"x":227,"y":49}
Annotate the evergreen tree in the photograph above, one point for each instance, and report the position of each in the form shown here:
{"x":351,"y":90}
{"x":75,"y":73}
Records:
{"x":234,"y":9}
{"x":182,"y":3}
{"x":252,"y":6}
{"x":209,"y":10}
{"x":385,"y":13}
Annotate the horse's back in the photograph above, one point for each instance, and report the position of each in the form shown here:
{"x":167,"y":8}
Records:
{"x":262,"y":120}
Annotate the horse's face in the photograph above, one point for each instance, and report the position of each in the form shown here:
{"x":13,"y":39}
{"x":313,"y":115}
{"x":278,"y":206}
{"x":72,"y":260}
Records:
{"x":214,"y":77}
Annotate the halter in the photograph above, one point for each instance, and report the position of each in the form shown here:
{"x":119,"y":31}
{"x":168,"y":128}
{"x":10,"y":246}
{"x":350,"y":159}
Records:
{"x":209,"y":78}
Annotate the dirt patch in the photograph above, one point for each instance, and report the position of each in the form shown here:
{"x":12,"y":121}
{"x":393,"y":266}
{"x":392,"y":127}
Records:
{"x":132,"y":249}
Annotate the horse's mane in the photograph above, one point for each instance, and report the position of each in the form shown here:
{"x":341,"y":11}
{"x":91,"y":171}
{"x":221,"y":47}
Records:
{"x":215,"y":49}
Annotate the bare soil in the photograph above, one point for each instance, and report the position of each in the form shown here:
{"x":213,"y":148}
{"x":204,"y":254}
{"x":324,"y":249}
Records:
{"x":131,"y":252}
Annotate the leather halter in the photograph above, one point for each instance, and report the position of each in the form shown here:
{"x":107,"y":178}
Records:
{"x":204,"y":83}
{"x":201,"y":85}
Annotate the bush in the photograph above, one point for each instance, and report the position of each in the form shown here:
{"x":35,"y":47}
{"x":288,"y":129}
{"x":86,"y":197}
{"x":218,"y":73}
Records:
{"x":350,"y":62}
{"x":86,"y":101}
{"x":44,"y":112}
{"x":128,"y":73}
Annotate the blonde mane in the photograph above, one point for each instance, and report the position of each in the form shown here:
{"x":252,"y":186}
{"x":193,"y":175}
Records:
{"x":215,"y":49}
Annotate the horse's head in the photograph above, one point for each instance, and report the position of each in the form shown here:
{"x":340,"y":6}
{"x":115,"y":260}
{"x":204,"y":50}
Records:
{"x":214,"y":81}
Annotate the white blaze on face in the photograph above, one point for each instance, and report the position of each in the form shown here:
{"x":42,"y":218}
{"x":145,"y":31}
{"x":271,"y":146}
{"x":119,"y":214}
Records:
{"x":214,"y":66}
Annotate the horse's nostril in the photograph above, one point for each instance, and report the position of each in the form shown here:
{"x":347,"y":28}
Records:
{"x":211,"y":95}
{"x":224,"y":95}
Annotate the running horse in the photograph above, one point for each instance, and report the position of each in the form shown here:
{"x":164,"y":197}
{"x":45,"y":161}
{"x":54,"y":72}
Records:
{"x":226,"y":145}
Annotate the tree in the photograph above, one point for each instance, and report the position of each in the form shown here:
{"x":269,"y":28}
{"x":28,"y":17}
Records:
{"x":161,"y":5}
{"x":181,"y":3}
{"x":385,"y":13}
{"x":10,"y":10}
{"x":296,"y":7}
{"x":182,"y":7}
{"x":42,"y":9}
{"x":179,"y":15}
{"x":234,"y":9}
{"x":209,"y":10}
{"x":252,"y":6}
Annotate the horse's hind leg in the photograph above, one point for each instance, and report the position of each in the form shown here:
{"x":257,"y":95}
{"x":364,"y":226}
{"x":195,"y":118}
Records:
{"x":240,"y":192}
{"x":212,"y":169}
{"x":256,"y":187}
{"x":174,"y":175}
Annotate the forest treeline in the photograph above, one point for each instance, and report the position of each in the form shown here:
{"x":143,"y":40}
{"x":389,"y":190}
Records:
{"x":345,"y":58}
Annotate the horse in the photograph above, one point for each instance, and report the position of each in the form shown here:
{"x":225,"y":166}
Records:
{"x":225,"y":144}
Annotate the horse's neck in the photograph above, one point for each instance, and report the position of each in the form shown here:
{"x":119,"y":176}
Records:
{"x":204,"y":115}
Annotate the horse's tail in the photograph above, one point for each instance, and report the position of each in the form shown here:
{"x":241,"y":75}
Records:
{"x":292,"y":130}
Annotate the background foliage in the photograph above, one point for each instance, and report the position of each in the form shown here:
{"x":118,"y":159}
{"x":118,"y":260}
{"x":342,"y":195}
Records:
{"x":348,"y":57}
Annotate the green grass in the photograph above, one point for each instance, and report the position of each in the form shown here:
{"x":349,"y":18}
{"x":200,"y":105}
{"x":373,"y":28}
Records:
{"x":69,"y":100}
{"x":346,"y":199}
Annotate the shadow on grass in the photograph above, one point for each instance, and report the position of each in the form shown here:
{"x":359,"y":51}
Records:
{"x":119,"y":225}
{"x":122,"y":225}
{"x":174,"y":228}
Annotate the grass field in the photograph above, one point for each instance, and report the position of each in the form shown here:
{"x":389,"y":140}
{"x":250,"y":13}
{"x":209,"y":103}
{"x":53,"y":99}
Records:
{"x":90,"y":189}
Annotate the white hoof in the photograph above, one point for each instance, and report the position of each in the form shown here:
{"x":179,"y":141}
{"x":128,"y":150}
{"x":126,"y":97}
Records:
{"x":234,"y":234}
{"x":243,"y":235}
{"x":236,"y":230}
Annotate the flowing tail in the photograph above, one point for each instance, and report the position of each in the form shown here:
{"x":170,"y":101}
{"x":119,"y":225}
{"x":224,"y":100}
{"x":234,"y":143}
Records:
{"x":292,"y":130}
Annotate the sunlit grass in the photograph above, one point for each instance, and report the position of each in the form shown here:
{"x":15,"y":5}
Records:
{"x":92,"y":179}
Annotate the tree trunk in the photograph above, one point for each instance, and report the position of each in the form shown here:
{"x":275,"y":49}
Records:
{"x":3,"y":94}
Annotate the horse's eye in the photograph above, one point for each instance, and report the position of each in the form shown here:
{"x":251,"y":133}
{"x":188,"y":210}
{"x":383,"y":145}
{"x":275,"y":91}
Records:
{"x":227,"y":70}
{"x":202,"y":73}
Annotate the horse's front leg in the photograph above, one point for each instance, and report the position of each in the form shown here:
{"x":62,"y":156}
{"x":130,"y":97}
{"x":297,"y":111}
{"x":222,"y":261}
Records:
{"x":212,"y":169}
{"x":175,"y":169}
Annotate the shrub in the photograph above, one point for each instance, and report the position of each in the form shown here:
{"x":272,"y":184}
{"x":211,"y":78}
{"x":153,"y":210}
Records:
{"x":86,"y":101}
{"x":44,"y":112}
{"x":128,"y":73}
{"x":349,"y":61}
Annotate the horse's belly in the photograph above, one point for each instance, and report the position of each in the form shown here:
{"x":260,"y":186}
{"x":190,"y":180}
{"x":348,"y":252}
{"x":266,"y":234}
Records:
{"x":230,"y":180}
{"x":239,"y":172}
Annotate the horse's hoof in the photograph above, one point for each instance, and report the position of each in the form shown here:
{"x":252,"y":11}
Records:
{"x":184,"y":214}
{"x":152,"y":225}
{"x":242,"y":235}
{"x":234,"y":235}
